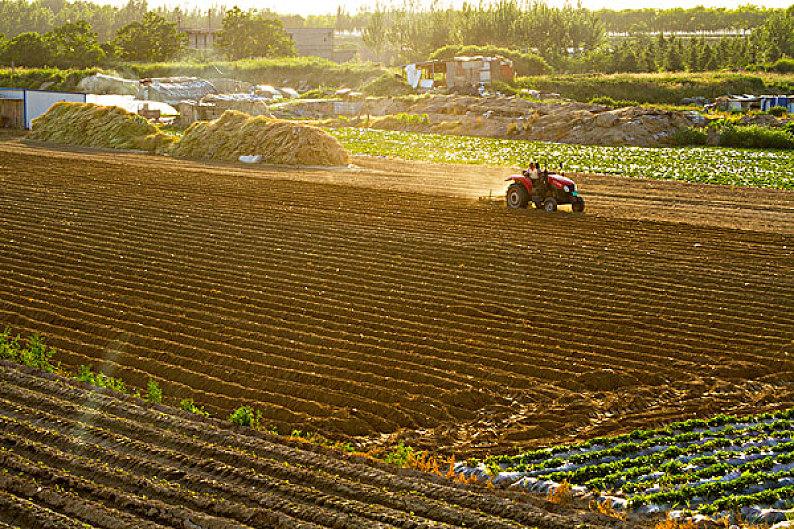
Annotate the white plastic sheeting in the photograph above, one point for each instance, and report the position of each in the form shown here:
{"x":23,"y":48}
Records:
{"x":130,"y":104}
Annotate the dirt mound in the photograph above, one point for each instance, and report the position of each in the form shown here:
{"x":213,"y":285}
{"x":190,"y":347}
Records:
{"x":90,"y":125}
{"x":514,"y":117}
{"x":236,"y":134}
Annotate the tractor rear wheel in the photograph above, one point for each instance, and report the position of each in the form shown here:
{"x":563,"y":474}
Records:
{"x":517,"y":196}
{"x":578,"y":206}
{"x":550,"y":205}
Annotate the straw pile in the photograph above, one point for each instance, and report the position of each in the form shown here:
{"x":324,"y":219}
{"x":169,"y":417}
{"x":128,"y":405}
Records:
{"x":235,"y":134}
{"x":91,"y":125}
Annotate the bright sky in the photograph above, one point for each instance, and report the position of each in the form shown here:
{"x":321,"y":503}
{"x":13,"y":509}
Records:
{"x":307,"y":7}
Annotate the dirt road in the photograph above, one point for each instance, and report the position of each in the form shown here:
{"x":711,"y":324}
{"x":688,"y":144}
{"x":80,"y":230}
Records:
{"x":368,"y":302}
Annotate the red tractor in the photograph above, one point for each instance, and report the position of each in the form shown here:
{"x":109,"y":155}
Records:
{"x":546,"y":192}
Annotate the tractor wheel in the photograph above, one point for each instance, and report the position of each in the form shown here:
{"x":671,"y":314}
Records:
{"x":517,"y":197}
{"x":578,"y":206}
{"x":550,"y":205}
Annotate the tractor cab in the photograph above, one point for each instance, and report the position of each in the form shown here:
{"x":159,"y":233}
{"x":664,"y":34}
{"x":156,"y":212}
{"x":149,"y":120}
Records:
{"x":546,"y":192}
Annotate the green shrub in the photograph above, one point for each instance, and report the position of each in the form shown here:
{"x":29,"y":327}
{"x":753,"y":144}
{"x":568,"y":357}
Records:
{"x":777,"y":111}
{"x":657,"y":87}
{"x":690,"y":136}
{"x":523,"y":63}
{"x":34,"y":78}
{"x":609,"y":102}
{"x":784,"y":65}
{"x":9,"y":346}
{"x":387,"y":85}
{"x":153,"y":392}
{"x":100,"y":380}
{"x":291,"y":71}
{"x":504,"y":88}
{"x":755,"y":136}
{"x":322,"y":92}
{"x":399,"y":455}
{"x":412,"y":119}
{"x":246,"y":416}
{"x":35,"y":354}
{"x":189,"y":405}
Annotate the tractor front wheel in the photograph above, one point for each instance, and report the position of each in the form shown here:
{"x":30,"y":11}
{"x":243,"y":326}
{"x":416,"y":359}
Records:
{"x":550,"y":205}
{"x":517,"y":197}
{"x":578,"y":206}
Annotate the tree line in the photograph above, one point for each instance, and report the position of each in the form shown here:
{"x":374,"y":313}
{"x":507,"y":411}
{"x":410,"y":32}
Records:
{"x":153,"y":38}
{"x":568,"y":39}
{"x":573,"y":39}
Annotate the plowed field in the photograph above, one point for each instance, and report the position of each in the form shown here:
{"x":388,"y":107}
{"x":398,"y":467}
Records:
{"x":75,"y":458}
{"x":337,"y":306}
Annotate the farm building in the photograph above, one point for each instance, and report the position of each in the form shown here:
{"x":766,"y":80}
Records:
{"x":309,"y":42}
{"x":461,"y":72}
{"x":19,"y":107}
{"x":784,"y":101}
{"x":200,"y":39}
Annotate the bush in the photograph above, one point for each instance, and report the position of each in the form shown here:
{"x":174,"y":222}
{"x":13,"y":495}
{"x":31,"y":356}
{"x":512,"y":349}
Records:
{"x":153,"y":392}
{"x":400,"y":455}
{"x":656,"y":88}
{"x":34,"y":78}
{"x":690,"y":136}
{"x":298,"y":72}
{"x":784,"y":65}
{"x":504,"y":88}
{"x":412,"y":119}
{"x":777,"y":111}
{"x":523,"y":63}
{"x":100,"y":380}
{"x":36,"y":355}
{"x":387,"y":85}
{"x":246,"y":416}
{"x":9,"y":346}
{"x":609,"y":102}
{"x":755,"y":136}
{"x":189,"y":405}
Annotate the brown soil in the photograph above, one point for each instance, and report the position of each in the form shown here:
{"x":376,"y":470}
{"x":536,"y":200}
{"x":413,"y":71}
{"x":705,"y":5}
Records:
{"x":337,"y":306}
{"x":76,"y":458}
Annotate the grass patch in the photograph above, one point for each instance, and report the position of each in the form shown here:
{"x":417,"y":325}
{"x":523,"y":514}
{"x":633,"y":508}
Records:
{"x":666,"y":88}
{"x":35,"y":78}
{"x":293,"y":71}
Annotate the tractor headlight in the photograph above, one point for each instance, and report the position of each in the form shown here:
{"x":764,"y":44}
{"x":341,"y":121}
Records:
{"x":567,"y":189}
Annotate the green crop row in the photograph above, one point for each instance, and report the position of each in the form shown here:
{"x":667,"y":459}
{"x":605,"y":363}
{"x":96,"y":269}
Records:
{"x":780,"y":420}
{"x":710,"y":490}
{"x":588,"y":472}
{"x":711,"y":165}
{"x":630,"y":447}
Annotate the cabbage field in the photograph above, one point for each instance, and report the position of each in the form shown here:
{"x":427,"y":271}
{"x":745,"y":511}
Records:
{"x":712,"y":466}
{"x":712,"y":165}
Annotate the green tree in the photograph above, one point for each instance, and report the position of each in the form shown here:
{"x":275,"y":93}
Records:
{"x":672,"y":59}
{"x":708,"y":59}
{"x":246,"y":34}
{"x":150,"y":40}
{"x":693,"y":57}
{"x":28,"y":49}
{"x":75,"y":45}
{"x":776,"y":36}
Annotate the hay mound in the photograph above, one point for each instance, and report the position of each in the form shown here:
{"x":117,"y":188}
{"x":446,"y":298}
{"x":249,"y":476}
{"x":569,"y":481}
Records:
{"x":90,"y":125}
{"x":235,"y":134}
